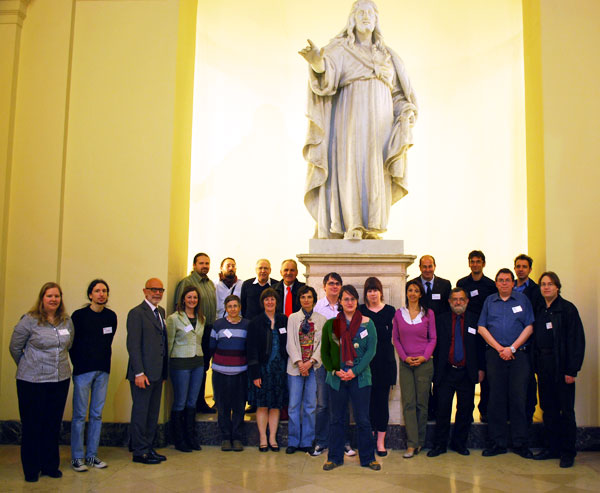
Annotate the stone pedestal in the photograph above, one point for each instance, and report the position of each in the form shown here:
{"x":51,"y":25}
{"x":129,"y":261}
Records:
{"x":355,"y":260}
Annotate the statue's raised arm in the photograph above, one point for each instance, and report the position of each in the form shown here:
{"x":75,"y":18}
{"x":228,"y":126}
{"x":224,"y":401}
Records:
{"x":314,"y":57}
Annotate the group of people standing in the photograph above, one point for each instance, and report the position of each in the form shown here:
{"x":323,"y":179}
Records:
{"x":277,"y":347}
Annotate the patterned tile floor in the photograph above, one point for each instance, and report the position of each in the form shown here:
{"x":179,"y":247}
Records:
{"x":211,"y":470}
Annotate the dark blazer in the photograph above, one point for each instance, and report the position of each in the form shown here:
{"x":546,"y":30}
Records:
{"x":440,"y":287}
{"x":259,"y":342}
{"x":474,"y":346}
{"x":146,"y":343}
{"x":250,"y":297}
{"x":532,"y":291}
{"x":280,"y":286}
{"x":569,"y":338}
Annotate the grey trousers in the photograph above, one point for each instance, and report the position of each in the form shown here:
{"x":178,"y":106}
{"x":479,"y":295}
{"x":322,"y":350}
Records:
{"x":144,"y":416}
{"x":415,"y":383}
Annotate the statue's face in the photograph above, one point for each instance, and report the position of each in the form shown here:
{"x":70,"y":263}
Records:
{"x":365,"y":18}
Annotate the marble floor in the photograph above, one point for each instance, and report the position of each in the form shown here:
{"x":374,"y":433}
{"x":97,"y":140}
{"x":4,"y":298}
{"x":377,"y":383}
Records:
{"x":214,"y":471}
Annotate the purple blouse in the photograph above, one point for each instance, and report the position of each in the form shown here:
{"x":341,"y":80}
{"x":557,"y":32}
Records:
{"x":414,"y":337}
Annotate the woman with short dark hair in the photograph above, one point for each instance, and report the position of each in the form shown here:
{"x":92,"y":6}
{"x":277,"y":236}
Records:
{"x":267,"y":360}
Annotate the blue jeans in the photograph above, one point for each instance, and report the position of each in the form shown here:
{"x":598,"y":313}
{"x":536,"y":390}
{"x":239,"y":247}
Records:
{"x":96,"y":383}
{"x":186,"y":387}
{"x":301,"y":409}
{"x":323,"y":414}
{"x":360,"y":398}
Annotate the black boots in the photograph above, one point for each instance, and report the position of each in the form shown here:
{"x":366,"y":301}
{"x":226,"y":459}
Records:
{"x":191,"y":437}
{"x":178,"y":431}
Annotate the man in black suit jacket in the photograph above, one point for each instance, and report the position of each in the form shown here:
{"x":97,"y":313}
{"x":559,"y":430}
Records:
{"x":436,"y":290}
{"x":147,"y":368}
{"x":458,"y":368}
{"x":253,"y":288}
{"x":288,"y":288}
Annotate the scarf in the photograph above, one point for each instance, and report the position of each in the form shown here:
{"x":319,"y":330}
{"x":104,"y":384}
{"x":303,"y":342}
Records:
{"x":305,"y":325}
{"x":346,"y":333}
{"x":228,"y":281}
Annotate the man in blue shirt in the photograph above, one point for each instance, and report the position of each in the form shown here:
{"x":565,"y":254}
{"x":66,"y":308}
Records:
{"x":506,"y":323}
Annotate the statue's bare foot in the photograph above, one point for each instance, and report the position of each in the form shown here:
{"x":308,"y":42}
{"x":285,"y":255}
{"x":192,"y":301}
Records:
{"x":353,"y":234}
{"x":370,"y":235}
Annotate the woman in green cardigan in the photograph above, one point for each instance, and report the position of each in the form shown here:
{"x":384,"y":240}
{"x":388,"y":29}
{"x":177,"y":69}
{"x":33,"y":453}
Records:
{"x":348,"y":345}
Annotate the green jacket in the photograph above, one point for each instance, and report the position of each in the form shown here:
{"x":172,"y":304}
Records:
{"x":182,"y":343}
{"x":364,"y":345}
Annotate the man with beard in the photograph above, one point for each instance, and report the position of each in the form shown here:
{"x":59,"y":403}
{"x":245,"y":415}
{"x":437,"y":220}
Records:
{"x":228,"y":284}
{"x":208,"y":301}
{"x":459,"y":367}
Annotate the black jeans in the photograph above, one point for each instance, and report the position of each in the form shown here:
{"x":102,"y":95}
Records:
{"x":230,"y":396}
{"x":454,"y":381}
{"x":41,"y":406}
{"x":509,"y":381}
{"x":557,"y":400}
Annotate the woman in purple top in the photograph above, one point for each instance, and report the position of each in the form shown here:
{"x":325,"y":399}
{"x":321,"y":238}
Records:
{"x":414,"y":338}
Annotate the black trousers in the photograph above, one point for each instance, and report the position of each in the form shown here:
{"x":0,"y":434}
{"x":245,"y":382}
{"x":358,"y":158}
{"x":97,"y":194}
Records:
{"x":379,"y":407}
{"x":557,"y":400}
{"x":484,"y":396}
{"x":454,"y":381}
{"x":144,"y":416}
{"x":509,"y":381}
{"x":230,"y":397}
{"x":41,"y":406}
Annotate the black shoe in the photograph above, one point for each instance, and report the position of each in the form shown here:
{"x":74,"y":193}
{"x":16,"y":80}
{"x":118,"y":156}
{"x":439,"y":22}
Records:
{"x":304,"y":449}
{"x":328,"y":466}
{"x":523,"y":452}
{"x":495,"y":450}
{"x":263,"y":448}
{"x":274,"y":448}
{"x":156,"y":455}
{"x":56,"y":473}
{"x":545,"y":454}
{"x":32,"y":478}
{"x":146,"y":459}
{"x":381,"y":453}
{"x":290,"y":450}
{"x":434,"y":452}
{"x":459,"y":449}
{"x":566,"y":461}
{"x":374,"y":466}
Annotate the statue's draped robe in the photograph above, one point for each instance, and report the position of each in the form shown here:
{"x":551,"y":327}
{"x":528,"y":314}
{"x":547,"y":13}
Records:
{"x":360,"y":111}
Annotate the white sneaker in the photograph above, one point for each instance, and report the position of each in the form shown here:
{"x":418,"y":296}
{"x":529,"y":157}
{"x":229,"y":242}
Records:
{"x":316,"y":451}
{"x":349,"y":451}
{"x":95,"y":462}
{"x":78,"y":465}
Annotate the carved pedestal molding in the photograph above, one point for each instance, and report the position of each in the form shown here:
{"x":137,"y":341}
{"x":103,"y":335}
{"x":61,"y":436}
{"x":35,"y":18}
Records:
{"x":13,"y":11}
{"x":355,"y":260}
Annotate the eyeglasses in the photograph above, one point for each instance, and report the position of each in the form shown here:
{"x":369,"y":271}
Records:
{"x":333,"y":283}
{"x":156,"y":290}
{"x":348,"y":300}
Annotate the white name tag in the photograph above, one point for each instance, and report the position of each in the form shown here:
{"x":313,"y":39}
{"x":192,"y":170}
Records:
{"x":107,"y":330}
{"x":364,"y":334}
{"x":282,"y":330}
{"x":188,"y":328}
{"x":227,"y":333}
{"x":472,"y":330}
{"x":475,"y":292}
{"x":436,"y":296}
{"x":549,"y":325}
{"x":63,"y":332}
{"x":517,"y":309}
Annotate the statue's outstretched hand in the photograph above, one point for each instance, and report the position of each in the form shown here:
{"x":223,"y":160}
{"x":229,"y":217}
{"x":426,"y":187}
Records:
{"x":313,"y":55}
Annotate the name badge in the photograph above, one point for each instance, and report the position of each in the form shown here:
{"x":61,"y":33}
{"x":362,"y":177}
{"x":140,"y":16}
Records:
{"x":472,"y":330}
{"x":548,"y":325}
{"x":188,"y":328}
{"x":107,"y":330}
{"x":517,"y":309}
{"x":227,"y":333}
{"x":436,"y":296}
{"x":63,"y":332}
{"x":282,"y":330}
{"x":475,"y":292}
{"x":364,"y":334}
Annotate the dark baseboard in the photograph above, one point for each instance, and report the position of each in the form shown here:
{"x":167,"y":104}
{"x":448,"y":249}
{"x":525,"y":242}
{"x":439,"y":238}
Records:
{"x":116,"y":435}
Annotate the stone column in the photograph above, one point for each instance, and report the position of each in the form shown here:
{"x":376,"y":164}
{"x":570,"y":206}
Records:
{"x":355,"y":260}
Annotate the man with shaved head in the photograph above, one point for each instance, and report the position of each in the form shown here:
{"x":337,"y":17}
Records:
{"x":253,"y":288}
{"x":146,"y":370}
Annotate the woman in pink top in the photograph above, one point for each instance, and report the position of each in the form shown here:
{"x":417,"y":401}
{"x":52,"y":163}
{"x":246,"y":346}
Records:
{"x":414,"y":338}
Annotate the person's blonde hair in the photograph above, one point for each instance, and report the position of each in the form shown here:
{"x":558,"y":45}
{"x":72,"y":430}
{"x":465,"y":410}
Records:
{"x":38,"y":312}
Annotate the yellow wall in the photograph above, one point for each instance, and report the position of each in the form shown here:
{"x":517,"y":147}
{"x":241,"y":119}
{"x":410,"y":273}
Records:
{"x":100,"y":170}
{"x":567,"y":77}
{"x":95,"y":126}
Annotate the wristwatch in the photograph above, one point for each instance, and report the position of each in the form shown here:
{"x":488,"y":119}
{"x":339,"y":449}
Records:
{"x":513,"y":350}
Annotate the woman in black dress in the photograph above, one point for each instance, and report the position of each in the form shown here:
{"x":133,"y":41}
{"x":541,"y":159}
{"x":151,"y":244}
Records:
{"x":383,"y":365}
{"x":267,"y":365}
